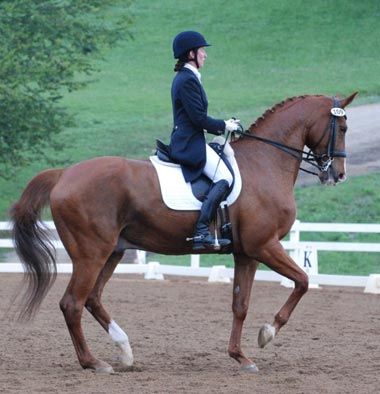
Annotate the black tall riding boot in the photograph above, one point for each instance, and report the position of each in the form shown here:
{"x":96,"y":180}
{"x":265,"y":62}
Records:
{"x":202,"y":238}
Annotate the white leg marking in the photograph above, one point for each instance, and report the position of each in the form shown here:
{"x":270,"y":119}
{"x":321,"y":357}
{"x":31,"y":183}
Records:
{"x":122,"y":342}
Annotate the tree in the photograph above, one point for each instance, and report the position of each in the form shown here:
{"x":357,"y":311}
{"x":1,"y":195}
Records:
{"x":44,"y":46}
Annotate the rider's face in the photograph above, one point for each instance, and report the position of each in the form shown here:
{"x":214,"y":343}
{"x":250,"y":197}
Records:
{"x":201,"y":56}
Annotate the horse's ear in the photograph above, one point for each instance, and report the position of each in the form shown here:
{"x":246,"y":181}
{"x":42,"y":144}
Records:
{"x":348,"y":100}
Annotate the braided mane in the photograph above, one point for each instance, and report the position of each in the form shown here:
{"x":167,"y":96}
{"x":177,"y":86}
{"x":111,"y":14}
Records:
{"x":273,"y":109}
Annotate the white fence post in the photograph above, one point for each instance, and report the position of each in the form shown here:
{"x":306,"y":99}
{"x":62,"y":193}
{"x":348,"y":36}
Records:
{"x":194,"y":260}
{"x":140,"y":256}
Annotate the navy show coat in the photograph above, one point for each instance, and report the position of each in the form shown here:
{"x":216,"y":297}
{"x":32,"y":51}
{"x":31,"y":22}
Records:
{"x":188,"y":142}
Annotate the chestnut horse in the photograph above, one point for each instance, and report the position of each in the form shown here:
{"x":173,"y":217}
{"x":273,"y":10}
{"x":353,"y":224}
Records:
{"x":103,"y":206}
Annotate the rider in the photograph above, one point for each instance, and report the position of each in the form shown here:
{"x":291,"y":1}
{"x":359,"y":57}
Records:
{"x":188,"y":144}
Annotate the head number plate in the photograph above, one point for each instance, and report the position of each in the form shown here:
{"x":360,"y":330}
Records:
{"x":338,"y":112}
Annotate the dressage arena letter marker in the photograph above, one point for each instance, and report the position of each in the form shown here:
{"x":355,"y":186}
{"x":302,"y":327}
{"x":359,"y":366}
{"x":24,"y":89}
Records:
{"x":310,"y":263}
{"x":306,"y":261}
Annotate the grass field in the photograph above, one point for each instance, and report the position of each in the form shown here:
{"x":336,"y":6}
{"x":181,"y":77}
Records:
{"x":262,"y":52}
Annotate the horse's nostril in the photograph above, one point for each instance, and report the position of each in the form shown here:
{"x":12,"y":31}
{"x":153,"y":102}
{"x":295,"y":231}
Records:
{"x":342,"y":177}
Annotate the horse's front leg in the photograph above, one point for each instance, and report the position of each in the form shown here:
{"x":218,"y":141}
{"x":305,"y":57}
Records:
{"x":275,"y":257}
{"x":245,"y":269}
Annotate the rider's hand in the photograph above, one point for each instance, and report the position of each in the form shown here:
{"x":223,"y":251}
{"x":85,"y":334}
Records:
{"x":232,"y":124}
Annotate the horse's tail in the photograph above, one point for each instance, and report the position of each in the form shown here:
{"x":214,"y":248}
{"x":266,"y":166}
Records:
{"x":32,"y":243}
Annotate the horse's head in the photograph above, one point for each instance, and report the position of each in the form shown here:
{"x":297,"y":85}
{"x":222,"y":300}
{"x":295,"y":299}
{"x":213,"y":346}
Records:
{"x":326,"y":138}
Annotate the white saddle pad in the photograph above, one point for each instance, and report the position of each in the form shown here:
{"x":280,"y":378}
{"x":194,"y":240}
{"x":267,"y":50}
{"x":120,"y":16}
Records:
{"x":177,"y":193}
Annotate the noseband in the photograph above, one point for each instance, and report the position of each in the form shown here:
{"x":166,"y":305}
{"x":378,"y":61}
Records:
{"x":321,"y":161}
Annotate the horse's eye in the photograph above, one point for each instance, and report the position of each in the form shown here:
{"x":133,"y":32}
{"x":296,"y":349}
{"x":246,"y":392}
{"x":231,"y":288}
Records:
{"x":343,"y":129}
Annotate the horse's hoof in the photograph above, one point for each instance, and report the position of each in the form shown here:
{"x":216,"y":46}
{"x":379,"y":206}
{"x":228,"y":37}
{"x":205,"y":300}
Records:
{"x":106,"y":370}
{"x":266,"y":334}
{"x":126,"y":357}
{"x":251,"y":368}
{"x":103,"y":367}
{"x":124,"y":360}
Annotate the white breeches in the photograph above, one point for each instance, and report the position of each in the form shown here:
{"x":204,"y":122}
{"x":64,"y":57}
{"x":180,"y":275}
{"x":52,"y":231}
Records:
{"x":215,"y":169}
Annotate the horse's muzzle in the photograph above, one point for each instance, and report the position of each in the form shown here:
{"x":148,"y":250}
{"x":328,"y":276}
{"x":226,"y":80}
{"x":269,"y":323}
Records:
{"x":331,"y":177}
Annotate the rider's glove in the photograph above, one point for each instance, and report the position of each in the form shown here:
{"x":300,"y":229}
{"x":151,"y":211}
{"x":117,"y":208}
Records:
{"x":232,"y":124}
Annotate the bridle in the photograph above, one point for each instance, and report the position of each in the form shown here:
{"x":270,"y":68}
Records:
{"x":321,"y":161}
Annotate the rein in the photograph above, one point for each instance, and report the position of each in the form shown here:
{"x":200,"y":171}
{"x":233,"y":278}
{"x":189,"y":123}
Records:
{"x":321,"y":161}
{"x":298,"y":154}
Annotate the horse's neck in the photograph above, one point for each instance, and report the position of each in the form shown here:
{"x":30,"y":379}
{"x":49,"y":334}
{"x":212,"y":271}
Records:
{"x":285,"y":127}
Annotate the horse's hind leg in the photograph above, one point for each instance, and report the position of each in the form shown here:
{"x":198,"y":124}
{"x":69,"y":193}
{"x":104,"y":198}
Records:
{"x":275,"y":257}
{"x":95,"y":307}
{"x":72,"y":303}
{"x":245,"y":269}
{"x":88,"y":253}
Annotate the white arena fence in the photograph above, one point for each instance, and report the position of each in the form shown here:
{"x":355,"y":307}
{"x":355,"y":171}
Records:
{"x":305,"y":253}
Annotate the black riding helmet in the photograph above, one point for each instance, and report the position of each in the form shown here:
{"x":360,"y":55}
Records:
{"x":187,"y":41}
